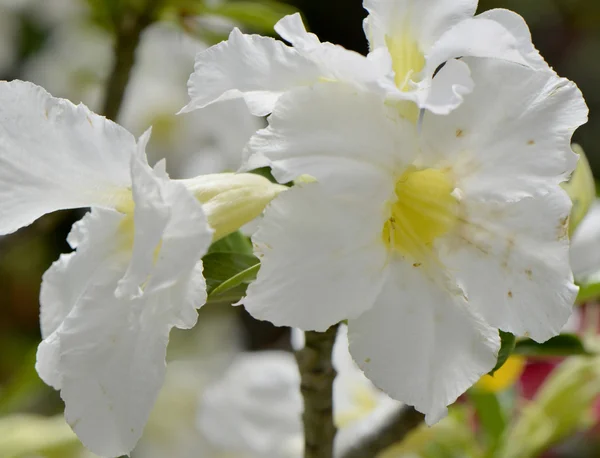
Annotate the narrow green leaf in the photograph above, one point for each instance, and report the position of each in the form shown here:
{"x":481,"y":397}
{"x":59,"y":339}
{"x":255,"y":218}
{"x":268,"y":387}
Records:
{"x":589,"y":291}
{"x":260,"y":16}
{"x":243,"y":277}
{"x":507,"y":341}
{"x":220,"y":267}
{"x":561,"y":345}
{"x":491,"y":415}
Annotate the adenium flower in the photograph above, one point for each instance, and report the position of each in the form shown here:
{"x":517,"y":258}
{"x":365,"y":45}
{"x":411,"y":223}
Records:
{"x":409,"y":40}
{"x":427,"y":240}
{"x":255,"y":409}
{"x":108,"y":307}
{"x":585,"y":246}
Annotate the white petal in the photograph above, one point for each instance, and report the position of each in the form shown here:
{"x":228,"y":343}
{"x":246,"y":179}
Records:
{"x":512,"y":135}
{"x":259,"y":69}
{"x":256,"y":406}
{"x":171,"y":231}
{"x":151,"y":216}
{"x":355,"y":399}
{"x":322,"y":258}
{"x":448,"y":88}
{"x":426,"y":18}
{"x":474,"y":37}
{"x":55,"y":155}
{"x":518,"y":28}
{"x":329,"y":130}
{"x":421,"y":343}
{"x":585,"y":244}
{"x":63,"y":282}
{"x":112,"y":360}
{"x":291,"y":29}
{"x":512,"y":260}
{"x":107,"y":354}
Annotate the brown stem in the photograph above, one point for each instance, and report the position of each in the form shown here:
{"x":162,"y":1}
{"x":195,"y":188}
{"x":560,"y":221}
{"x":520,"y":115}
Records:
{"x":317,"y":375}
{"x":129,"y":30}
{"x":405,"y":420}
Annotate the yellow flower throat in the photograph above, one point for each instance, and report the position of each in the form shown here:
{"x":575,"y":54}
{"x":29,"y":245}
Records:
{"x":425,"y":209}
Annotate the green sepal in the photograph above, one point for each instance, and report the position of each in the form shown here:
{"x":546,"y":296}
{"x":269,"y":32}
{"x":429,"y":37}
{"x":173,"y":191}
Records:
{"x":507,"y":345}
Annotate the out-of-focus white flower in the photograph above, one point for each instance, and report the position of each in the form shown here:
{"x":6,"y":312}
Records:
{"x":9,"y":29}
{"x":107,"y":308}
{"x":75,"y":65}
{"x":409,"y":41}
{"x":197,"y":359}
{"x":585,"y":245}
{"x":427,"y":240}
{"x":49,"y":13}
{"x":256,"y":408}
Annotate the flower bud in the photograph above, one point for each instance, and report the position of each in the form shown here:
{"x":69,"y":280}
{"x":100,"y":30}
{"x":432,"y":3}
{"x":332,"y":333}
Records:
{"x":230,"y":200}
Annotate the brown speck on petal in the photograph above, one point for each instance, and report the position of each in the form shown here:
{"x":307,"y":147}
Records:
{"x":460,"y":133}
{"x":563,"y":228}
{"x":531,"y":142}
{"x":510,"y":294}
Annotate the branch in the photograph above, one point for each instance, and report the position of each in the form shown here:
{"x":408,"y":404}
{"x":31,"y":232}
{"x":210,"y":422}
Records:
{"x":317,"y":375}
{"x":129,"y":30}
{"x":405,"y":420}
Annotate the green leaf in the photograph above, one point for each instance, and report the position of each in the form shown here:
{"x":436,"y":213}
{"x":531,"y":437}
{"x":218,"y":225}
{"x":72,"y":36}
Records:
{"x":219,"y":267}
{"x":233,"y":243}
{"x":492,"y":417}
{"x":589,"y":290}
{"x":561,"y":345}
{"x":244,"y":277}
{"x":260,"y":16}
{"x":227,"y":275}
{"x":507,"y":341}
{"x":581,"y":189}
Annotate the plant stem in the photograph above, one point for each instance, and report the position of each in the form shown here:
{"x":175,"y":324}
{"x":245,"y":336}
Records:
{"x":317,"y":375}
{"x":394,"y":431}
{"x":129,"y":30}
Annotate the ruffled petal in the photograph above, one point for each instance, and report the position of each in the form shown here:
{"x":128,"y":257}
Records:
{"x":421,"y":343}
{"x":336,"y":135}
{"x":107,"y":354}
{"x":518,"y":28}
{"x":428,"y":19}
{"x":448,"y":89}
{"x":493,"y":40}
{"x":322,"y":258}
{"x":64,"y":281}
{"x":171,"y":232}
{"x":512,"y":260}
{"x":256,"y":407}
{"x":259,"y":69}
{"x":55,"y":155}
{"x":291,"y":29}
{"x":511,"y":137}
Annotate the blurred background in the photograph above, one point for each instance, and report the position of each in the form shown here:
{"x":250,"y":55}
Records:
{"x":67,"y":46}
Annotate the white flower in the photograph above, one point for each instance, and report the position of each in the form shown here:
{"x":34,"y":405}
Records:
{"x":585,"y":245}
{"x":196,"y":359}
{"x":427,"y":240}
{"x":409,"y":40}
{"x":108,"y":307}
{"x":75,"y":63}
{"x":256,"y":408}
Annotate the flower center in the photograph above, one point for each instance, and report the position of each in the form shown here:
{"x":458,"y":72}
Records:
{"x":407,"y":58}
{"x":425,"y":209}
